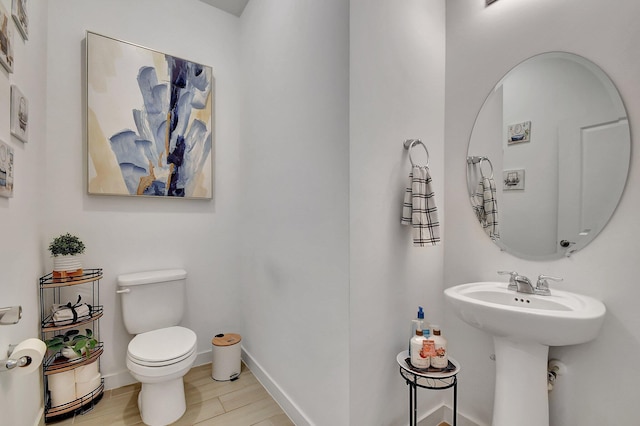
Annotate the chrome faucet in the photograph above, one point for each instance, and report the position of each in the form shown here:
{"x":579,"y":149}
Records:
{"x":523,"y":285}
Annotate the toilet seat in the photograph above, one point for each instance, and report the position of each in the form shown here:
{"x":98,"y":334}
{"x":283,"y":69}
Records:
{"x":162,"y":347}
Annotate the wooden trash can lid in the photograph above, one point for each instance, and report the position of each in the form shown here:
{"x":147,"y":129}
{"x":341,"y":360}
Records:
{"x":226,"y":339}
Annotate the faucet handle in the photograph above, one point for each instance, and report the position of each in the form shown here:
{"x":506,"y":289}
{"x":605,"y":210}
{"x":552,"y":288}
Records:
{"x":542,"y":286}
{"x":512,"y":279}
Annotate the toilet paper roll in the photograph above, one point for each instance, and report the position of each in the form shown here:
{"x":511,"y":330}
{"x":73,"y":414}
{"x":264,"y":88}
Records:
{"x":62,"y":387}
{"x":33,"y":349}
{"x":86,"y":372}
{"x":86,"y":387}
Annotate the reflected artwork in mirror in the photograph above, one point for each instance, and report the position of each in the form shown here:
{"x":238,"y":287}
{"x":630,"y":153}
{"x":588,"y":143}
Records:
{"x":558,"y":118}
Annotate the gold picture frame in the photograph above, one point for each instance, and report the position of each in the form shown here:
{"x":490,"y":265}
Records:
{"x":149,"y":122}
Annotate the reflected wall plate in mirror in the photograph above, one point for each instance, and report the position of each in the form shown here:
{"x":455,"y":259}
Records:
{"x":576,"y":161}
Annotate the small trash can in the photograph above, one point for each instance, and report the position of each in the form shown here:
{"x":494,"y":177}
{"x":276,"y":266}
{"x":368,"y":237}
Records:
{"x":226,"y":357}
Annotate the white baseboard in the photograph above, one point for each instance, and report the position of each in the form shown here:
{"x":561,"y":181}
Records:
{"x":444,"y":413}
{"x":40,"y":418}
{"x":280,"y":396}
{"x":118,"y":380}
{"x":203,"y":358}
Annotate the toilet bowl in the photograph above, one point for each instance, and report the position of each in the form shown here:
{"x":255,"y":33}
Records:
{"x":161,"y":352}
{"x":159,"y":359}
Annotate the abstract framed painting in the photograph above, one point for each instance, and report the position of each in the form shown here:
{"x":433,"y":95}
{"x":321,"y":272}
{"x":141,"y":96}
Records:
{"x":149,"y":122}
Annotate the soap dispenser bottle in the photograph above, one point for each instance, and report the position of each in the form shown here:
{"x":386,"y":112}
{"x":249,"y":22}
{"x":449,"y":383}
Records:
{"x":416,"y":325}
{"x":441,"y":357}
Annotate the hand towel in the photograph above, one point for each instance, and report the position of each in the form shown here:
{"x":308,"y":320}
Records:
{"x":65,"y":314}
{"x":419,"y":209}
{"x":485,"y":206}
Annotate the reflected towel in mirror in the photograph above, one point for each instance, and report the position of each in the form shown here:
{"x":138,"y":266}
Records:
{"x":485,"y":206}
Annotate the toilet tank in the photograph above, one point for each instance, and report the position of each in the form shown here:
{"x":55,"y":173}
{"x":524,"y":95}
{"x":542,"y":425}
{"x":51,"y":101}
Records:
{"x":152,"y":299}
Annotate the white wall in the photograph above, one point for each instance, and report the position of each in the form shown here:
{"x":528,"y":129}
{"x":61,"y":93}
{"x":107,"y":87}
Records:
{"x":304,"y":233}
{"x":482,"y":45}
{"x":397,"y":93}
{"x":124,"y":234}
{"x":294,"y":203}
{"x":279,"y":222}
{"x":20,"y":260}
{"x":308,"y":280}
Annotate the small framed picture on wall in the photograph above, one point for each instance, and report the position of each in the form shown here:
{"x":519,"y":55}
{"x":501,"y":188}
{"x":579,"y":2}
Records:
{"x":519,"y":132}
{"x":6,"y":170}
{"x":19,"y":114}
{"x":6,"y":40}
{"x":19,"y":12}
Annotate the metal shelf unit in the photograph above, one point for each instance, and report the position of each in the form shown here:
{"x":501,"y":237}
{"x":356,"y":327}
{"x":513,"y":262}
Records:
{"x":54,"y":363}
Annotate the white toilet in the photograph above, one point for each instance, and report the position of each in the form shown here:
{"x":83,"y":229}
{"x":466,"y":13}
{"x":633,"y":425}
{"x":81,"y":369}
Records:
{"x":162,"y":352}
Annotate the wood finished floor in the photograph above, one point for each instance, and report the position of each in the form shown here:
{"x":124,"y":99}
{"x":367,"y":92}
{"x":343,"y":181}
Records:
{"x":243,"y":402}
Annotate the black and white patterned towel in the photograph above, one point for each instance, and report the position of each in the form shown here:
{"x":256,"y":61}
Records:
{"x":485,"y":206}
{"x":419,"y":208}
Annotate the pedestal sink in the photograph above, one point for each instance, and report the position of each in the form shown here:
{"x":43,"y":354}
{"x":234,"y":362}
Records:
{"x":523,"y":327}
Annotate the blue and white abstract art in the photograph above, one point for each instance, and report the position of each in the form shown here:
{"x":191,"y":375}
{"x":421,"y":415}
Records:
{"x":149,"y":122}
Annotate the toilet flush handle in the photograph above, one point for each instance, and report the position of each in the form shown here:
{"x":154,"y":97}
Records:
{"x":125,"y":290}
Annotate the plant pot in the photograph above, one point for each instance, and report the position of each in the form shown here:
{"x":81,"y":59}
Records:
{"x":70,"y":354}
{"x":66,"y":263}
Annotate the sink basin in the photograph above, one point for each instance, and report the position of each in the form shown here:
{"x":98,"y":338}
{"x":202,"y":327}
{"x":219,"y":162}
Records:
{"x":523,"y":327}
{"x":564,"y":318}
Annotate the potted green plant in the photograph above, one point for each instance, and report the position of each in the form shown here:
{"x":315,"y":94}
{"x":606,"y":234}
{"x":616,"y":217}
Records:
{"x":65,"y":250}
{"x":72,"y":344}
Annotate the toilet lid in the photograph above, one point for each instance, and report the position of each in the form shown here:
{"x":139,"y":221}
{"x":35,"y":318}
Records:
{"x":163,"y":346}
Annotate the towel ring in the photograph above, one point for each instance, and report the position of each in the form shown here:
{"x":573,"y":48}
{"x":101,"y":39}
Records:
{"x":480,"y":166}
{"x":410,"y":143}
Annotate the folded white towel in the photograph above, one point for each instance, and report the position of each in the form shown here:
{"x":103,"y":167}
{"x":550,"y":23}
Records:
{"x":485,"y":206}
{"x":64,"y":315}
{"x":419,"y":208}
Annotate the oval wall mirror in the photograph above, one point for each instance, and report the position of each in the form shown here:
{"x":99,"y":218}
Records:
{"x":553,"y":139}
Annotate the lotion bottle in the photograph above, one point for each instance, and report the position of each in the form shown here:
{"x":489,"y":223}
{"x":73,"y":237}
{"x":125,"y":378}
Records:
{"x":419,"y":358}
{"x":441,"y":357}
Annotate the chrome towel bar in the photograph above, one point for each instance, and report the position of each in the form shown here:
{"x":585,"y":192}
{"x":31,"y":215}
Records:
{"x":409,"y":144}
{"x":475,"y":160}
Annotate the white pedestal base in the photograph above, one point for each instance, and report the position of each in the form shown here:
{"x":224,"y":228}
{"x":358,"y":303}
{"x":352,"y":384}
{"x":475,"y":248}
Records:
{"x":521,"y":396}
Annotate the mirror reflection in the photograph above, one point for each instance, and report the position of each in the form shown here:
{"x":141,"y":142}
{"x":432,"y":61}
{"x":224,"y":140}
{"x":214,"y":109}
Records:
{"x":548,"y":156}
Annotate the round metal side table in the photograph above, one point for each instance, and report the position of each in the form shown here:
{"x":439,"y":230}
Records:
{"x":428,"y":380}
